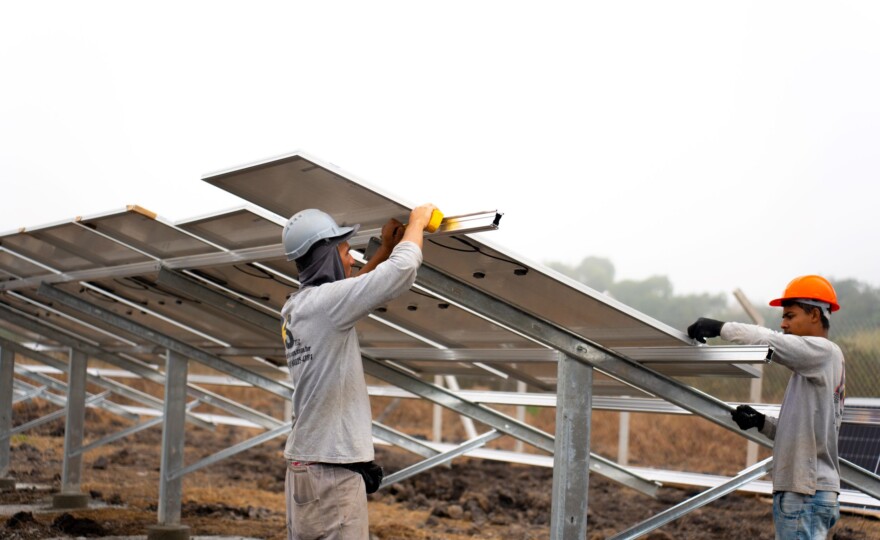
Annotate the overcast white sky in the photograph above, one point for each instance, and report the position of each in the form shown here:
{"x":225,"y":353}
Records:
{"x":725,"y":145}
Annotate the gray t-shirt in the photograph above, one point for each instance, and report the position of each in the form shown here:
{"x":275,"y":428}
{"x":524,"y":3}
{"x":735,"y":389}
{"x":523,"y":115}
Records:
{"x":332,"y":421}
{"x":805,"y":434}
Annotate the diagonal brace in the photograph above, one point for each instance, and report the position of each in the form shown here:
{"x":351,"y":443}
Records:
{"x":499,"y":421}
{"x":440,"y":459}
{"x":671,"y":514}
{"x":609,"y":362}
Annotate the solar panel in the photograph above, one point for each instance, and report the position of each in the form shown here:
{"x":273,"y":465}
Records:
{"x":860,"y":444}
{"x":118,"y":260}
{"x":288,"y":184}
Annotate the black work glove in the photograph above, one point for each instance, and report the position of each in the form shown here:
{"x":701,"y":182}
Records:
{"x":705,"y":328}
{"x":373,"y":474}
{"x":747,"y":417}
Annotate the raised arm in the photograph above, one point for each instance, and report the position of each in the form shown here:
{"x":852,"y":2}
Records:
{"x":392,"y":233}
{"x":418,"y":220}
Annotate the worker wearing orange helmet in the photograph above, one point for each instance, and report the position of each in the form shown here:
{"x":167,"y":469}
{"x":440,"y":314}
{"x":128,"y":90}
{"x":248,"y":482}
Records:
{"x":806,"y":472}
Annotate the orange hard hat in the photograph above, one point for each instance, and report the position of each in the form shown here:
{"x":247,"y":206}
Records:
{"x":809,"y":288}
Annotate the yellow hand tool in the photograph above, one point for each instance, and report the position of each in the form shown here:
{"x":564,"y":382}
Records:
{"x":434,"y":223}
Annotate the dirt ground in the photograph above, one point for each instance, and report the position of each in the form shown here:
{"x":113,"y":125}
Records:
{"x":243,"y":495}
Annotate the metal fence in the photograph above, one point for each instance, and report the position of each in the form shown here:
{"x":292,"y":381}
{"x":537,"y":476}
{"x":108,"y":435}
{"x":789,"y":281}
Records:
{"x":861,"y":348}
{"x":855,"y":329}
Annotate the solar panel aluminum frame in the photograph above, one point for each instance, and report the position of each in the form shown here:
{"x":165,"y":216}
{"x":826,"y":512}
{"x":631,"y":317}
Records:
{"x":291,"y":182}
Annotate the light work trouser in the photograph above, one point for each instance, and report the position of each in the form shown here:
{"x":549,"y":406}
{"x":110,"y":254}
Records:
{"x":325,"y":502}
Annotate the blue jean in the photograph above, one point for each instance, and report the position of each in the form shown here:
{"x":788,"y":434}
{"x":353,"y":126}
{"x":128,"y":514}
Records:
{"x":804,"y":517}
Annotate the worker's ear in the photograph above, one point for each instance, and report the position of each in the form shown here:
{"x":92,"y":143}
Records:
{"x":816,"y":316}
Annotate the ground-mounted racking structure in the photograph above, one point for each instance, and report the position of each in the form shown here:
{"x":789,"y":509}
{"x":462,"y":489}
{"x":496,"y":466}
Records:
{"x":148,"y":296}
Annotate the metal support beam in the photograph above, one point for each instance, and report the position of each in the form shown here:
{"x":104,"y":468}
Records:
{"x":282,"y":429}
{"x":259,"y":319}
{"x":131,"y":430}
{"x":28,"y":395}
{"x":402,"y":440}
{"x":121,"y":434}
{"x":469,"y":429}
{"x":171,"y":487}
{"x":623,"y":438}
{"x":109,"y":384}
{"x":194,"y":289}
{"x":739,"y":354}
{"x":71,"y":474}
{"x":470,"y":223}
{"x":671,"y":514}
{"x":148,"y":400}
{"x":571,"y":458}
{"x":55,"y":415}
{"x":437,"y":415}
{"x":231,"y":451}
{"x":524,"y":379}
{"x":755,"y":385}
{"x":499,"y":421}
{"x":135,"y":366}
{"x":7,"y":370}
{"x":57,"y":385}
{"x":521,"y":388}
{"x":611,"y":363}
{"x":440,"y":459}
{"x":282,"y":389}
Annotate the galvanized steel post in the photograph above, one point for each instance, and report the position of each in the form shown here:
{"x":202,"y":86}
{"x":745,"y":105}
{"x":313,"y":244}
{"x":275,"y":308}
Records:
{"x":170,"y":485}
{"x":571,"y":458}
{"x":7,"y":369}
{"x":71,"y":469}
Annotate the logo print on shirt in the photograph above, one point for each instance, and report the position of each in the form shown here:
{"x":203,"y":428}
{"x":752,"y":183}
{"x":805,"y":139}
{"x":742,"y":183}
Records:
{"x":295,"y":350}
{"x":286,"y":336}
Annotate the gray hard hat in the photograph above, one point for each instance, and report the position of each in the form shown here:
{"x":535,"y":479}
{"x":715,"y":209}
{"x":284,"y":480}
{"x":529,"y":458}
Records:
{"x":306,"y":228}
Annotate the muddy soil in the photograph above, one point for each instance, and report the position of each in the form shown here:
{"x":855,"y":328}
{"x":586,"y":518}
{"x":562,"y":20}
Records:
{"x":243,"y":495}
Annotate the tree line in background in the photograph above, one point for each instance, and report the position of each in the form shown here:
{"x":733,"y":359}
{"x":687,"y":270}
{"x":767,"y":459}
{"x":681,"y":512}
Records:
{"x":856,"y":327}
{"x":654,"y":296}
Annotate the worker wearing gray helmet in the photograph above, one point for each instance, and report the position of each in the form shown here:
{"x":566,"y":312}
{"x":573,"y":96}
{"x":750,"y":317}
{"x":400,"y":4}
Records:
{"x":329,"y":451}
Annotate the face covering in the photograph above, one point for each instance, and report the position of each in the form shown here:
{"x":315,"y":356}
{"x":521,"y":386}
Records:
{"x":824,"y":306}
{"x":321,"y":264}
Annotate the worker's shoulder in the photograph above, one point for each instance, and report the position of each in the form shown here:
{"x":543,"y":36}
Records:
{"x":821,"y":341}
{"x":819,"y":346}
{"x":309,"y":299}
{"x":828,"y":344}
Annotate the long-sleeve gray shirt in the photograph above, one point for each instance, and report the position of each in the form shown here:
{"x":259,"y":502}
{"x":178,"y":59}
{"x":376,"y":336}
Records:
{"x":332,"y":421}
{"x":805,"y":434}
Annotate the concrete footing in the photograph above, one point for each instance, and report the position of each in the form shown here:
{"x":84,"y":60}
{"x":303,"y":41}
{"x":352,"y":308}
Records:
{"x":70,"y":501}
{"x":7,"y":484}
{"x":168,"y":532}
